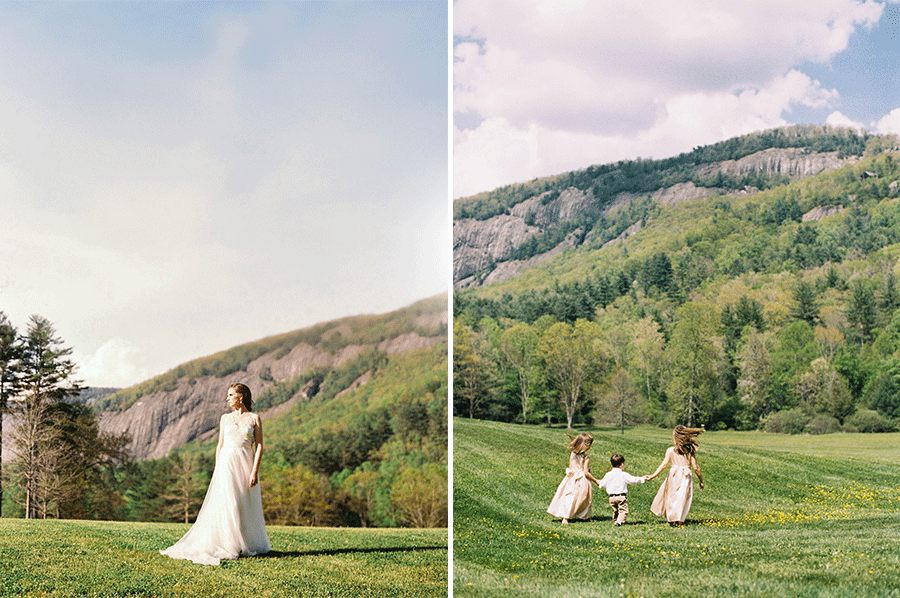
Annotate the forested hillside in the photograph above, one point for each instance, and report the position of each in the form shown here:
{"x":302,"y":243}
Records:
{"x":776,"y":308}
{"x":354,"y":414}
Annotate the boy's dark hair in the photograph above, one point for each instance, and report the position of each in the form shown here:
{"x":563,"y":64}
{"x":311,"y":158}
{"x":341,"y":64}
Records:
{"x":617,"y":460}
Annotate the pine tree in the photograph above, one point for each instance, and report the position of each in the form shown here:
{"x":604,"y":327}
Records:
{"x":47,"y":380}
{"x":10,"y":378}
{"x":861,"y":313}
{"x":806,"y":305}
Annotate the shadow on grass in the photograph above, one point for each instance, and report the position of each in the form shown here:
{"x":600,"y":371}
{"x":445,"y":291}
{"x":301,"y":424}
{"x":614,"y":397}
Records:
{"x":275,"y":554}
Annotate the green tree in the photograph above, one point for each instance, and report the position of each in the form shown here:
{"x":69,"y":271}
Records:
{"x":793,"y":353}
{"x":648,"y":346}
{"x":185,"y":494}
{"x":806,"y":304}
{"x":419,"y":495}
{"x":861,"y":314}
{"x":10,"y":378}
{"x":755,"y":379}
{"x":823,"y":391}
{"x":362,"y":486}
{"x":470,"y":388}
{"x":519,"y":343}
{"x":47,"y":380}
{"x":573,"y":358}
{"x":890,"y":295}
{"x":73,"y":486}
{"x":620,"y":403}
{"x":883,"y":392}
{"x":693,"y":356}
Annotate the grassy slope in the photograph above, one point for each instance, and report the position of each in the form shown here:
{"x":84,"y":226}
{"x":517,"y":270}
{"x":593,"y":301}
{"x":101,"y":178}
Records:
{"x":781,"y":516}
{"x":85,"y":558}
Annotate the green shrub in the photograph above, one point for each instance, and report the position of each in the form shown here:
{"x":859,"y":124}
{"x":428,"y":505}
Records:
{"x":867,"y":420}
{"x":789,"y":421}
{"x":823,"y":424}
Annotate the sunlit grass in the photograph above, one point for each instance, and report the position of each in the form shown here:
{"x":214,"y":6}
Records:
{"x":100,"y":559}
{"x":775,"y":519}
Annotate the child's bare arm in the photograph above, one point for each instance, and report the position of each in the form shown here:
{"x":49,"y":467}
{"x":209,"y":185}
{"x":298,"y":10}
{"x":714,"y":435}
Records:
{"x":697,"y":470}
{"x":662,"y":465}
{"x":587,"y":471}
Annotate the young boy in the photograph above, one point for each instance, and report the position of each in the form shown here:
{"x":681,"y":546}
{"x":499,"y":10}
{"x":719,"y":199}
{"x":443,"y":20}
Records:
{"x":616,"y":482}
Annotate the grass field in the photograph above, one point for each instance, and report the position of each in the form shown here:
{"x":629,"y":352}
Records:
{"x":784,"y":516}
{"x":91,"y":558}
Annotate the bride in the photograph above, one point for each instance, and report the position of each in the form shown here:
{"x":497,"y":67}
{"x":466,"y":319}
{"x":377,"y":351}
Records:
{"x":230,"y":523}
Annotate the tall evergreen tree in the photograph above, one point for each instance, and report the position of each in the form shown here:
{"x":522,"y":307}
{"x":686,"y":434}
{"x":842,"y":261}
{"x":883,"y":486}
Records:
{"x":47,"y":380}
{"x":806,"y":304}
{"x":890,"y":295}
{"x":10,"y":379}
{"x":861,"y":313}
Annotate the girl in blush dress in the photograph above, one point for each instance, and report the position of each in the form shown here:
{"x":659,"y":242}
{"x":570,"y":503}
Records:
{"x":673,"y":500}
{"x":575,"y":493}
{"x":230,"y":523}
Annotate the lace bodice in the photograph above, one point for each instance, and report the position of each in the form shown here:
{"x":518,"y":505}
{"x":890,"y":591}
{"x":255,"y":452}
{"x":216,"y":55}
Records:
{"x":238,"y":430}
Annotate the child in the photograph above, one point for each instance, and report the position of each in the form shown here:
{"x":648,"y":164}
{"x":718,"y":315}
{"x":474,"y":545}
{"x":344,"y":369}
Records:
{"x":673,"y":500}
{"x":575,"y":493}
{"x":616,"y":483}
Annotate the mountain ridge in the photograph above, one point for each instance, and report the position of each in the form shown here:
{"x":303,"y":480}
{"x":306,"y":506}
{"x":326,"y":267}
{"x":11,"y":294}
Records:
{"x":479,"y":245}
{"x":169,"y":416}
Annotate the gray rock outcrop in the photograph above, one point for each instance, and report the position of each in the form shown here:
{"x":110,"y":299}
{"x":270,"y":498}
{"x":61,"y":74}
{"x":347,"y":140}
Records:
{"x":163,"y":421}
{"x":482,"y":248}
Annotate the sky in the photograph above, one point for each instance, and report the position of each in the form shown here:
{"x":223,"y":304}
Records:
{"x":542,"y":87}
{"x":178,"y":178}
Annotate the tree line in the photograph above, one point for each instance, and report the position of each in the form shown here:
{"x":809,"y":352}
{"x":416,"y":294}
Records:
{"x":647,"y":175}
{"x":611,"y":354}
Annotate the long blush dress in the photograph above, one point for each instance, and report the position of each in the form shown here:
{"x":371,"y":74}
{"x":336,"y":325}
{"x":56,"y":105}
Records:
{"x":673,"y":499}
{"x":575,"y":493}
{"x":230,"y":523}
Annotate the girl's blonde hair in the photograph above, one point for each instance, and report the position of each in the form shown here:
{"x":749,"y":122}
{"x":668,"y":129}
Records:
{"x":685,"y":443}
{"x":581,"y":443}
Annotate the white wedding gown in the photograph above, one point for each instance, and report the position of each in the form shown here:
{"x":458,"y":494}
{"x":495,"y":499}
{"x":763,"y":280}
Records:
{"x":230,"y":523}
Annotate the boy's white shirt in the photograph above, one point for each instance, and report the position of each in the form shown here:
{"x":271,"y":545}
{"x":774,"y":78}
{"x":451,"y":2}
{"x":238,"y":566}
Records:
{"x":616,"y":481}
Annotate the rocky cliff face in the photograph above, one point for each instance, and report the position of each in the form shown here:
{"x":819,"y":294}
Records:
{"x":163,"y":421}
{"x":792,"y":162}
{"x":485,"y":245}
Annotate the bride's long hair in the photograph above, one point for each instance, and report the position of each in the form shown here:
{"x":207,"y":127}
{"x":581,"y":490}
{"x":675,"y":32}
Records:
{"x":246,"y":396}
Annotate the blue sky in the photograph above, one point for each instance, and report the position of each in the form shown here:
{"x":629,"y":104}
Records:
{"x":545,"y":87}
{"x":177,"y":178}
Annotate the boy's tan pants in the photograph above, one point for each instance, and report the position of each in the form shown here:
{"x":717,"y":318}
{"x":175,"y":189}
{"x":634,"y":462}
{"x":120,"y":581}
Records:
{"x":619,"y":504}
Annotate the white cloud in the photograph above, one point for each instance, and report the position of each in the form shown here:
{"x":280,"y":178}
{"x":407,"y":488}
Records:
{"x":623,"y":80}
{"x":837,"y":119}
{"x":890,"y":123}
{"x":497,"y":153}
{"x":117,"y":363}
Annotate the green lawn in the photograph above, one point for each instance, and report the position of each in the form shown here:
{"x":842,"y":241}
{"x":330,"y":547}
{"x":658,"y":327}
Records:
{"x":784,"y":516}
{"x":98,"y":558}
